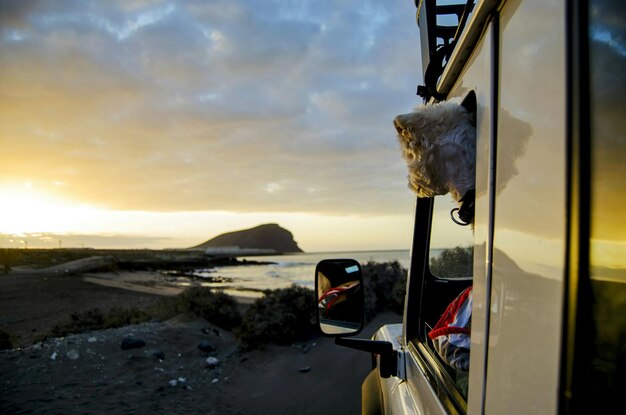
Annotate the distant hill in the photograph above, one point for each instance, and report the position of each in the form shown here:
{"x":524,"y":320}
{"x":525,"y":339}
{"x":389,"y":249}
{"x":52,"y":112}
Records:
{"x":266,"y":238}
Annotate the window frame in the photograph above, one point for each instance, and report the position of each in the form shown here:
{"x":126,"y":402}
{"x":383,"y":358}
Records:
{"x":422,"y":308}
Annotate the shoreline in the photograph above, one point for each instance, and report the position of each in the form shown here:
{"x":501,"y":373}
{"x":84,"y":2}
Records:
{"x":147,"y":282}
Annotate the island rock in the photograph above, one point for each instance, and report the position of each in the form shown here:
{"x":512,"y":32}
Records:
{"x":268,"y":238}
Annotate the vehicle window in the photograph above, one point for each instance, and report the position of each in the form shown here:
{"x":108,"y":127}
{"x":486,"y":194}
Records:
{"x":451,"y":245}
{"x":450,"y":262}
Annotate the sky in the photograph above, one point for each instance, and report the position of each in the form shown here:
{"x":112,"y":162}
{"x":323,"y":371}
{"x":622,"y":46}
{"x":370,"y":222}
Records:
{"x":161,"y":124}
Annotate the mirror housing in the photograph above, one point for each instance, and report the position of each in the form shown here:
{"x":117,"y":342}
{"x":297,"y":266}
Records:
{"x":340,"y":304}
{"x":340,"y":297}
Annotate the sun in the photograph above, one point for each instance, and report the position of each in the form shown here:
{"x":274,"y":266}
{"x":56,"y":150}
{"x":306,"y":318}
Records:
{"x":27,"y":210}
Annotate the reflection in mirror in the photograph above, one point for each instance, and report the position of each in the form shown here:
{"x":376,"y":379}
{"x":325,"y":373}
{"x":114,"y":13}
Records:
{"x":339,"y":290}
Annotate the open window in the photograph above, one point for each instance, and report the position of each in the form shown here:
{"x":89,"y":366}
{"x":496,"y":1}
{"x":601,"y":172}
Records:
{"x":448,"y":275}
{"x":443,"y":251}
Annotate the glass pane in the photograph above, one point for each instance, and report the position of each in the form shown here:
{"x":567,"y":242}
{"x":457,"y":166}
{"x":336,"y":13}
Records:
{"x":451,"y":245}
{"x":608,"y":198}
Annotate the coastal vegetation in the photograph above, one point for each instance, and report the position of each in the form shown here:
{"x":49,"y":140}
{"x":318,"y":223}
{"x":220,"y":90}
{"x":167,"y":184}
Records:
{"x":385,"y":286}
{"x":453,"y":263}
{"x":282,"y":316}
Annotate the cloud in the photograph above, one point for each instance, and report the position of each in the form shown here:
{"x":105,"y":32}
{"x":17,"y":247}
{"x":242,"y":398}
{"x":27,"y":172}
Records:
{"x":228,"y":105}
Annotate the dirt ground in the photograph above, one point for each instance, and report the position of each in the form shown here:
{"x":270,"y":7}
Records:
{"x":91,"y":373}
{"x":32,"y":304}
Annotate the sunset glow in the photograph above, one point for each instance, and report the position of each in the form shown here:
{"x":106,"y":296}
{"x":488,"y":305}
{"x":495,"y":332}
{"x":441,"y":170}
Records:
{"x":162,"y":124}
{"x":25,"y":210}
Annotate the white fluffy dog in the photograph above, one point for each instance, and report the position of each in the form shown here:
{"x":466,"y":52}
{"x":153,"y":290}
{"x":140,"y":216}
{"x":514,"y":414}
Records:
{"x":438,"y":142}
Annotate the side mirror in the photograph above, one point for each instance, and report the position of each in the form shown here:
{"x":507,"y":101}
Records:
{"x":340,"y":297}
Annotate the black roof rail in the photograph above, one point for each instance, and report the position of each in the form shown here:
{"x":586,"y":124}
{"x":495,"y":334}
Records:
{"x":438,"y":40}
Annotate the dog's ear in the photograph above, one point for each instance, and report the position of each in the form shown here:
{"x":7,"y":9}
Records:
{"x":398,"y":123}
{"x":402,"y":122}
{"x":469,"y":103}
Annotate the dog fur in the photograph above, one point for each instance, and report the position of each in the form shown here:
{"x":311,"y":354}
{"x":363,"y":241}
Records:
{"x":438,"y":143}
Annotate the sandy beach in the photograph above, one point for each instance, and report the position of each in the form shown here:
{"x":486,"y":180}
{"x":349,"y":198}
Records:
{"x":91,"y":372}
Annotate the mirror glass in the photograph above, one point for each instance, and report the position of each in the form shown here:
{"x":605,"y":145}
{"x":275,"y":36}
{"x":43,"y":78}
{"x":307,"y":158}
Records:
{"x":339,"y":290}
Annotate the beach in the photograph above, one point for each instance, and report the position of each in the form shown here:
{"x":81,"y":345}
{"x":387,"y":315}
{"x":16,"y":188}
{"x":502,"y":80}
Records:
{"x":92,"y":373}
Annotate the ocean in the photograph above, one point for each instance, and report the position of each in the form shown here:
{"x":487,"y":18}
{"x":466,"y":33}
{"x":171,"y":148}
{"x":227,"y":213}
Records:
{"x":284,"y":271}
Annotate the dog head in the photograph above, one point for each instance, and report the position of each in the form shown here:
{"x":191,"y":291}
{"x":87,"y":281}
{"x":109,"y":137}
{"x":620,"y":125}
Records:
{"x":438,"y":143}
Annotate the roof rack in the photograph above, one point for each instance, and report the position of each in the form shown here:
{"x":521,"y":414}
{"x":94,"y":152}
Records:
{"x":439,"y":35}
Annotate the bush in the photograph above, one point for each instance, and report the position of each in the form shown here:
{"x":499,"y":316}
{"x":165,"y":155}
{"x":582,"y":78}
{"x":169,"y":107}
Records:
{"x":216,"y":307}
{"x":281,"y":316}
{"x":453,"y":263}
{"x":95,"y":319}
{"x":385,"y":287}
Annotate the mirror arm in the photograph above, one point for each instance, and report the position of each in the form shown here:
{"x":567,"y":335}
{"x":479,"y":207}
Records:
{"x":382,"y":348}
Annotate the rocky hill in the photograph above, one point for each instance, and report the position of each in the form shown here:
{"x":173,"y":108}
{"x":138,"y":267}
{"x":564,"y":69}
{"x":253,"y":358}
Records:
{"x":266,"y":238}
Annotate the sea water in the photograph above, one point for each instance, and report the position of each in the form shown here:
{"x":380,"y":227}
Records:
{"x":282,"y":271}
